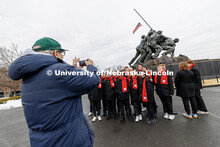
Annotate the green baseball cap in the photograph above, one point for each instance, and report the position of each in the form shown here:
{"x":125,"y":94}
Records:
{"x":47,"y":43}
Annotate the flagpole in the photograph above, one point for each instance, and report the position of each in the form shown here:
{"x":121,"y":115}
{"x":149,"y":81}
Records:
{"x":143,"y":19}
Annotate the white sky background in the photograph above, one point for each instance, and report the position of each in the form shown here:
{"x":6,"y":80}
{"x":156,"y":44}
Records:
{"x":102,"y":30}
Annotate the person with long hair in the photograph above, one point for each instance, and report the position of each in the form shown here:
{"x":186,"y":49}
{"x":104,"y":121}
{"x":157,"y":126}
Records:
{"x":186,"y":89}
{"x":198,"y":85}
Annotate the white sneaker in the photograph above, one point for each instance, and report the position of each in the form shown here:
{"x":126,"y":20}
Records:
{"x":171,"y":117}
{"x":137,"y":119}
{"x":143,"y":109}
{"x":90,"y":113}
{"x":166,"y":115}
{"x":140,"y":117}
{"x":94,"y":119}
{"x":202,"y":112}
{"x":99,"y":118}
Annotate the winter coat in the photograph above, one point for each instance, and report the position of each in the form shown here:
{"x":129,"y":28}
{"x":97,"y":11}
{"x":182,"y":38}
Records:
{"x":109,"y":91}
{"x":197,"y":77}
{"x":164,"y":89}
{"x":52,"y":104}
{"x":118,"y":89}
{"x":184,"y":84}
{"x":134,"y":92}
{"x":149,"y":88}
{"x":95,"y":94}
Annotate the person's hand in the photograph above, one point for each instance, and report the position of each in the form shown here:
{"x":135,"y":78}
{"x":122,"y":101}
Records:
{"x":75,"y":61}
{"x":171,"y":95}
{"x":89,"y":62}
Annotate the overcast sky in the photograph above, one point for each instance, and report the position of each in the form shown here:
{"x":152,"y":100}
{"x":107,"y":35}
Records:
{"x":102,"y":30}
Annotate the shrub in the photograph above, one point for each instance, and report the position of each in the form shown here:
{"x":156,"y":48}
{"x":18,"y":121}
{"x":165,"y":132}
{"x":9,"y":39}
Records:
{"x":2,"y":101}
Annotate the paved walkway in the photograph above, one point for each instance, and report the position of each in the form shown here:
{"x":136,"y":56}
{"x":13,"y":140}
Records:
{"x":181,"y":132}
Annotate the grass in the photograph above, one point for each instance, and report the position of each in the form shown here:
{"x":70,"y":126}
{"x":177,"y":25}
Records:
{"x":2,"y":101}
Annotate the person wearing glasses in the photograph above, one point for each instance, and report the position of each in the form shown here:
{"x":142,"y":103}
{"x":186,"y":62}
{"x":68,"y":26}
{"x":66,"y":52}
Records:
{"x":52,"y":104}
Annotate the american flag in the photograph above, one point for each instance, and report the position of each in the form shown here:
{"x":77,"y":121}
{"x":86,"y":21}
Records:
{"x":138,"y":26}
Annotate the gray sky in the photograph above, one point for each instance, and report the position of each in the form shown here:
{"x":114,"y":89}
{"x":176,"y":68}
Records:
{"x":102,"y":30}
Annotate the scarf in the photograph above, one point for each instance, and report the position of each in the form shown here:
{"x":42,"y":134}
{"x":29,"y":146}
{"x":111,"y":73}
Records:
{"x":100,"y":84}
{"x":148,"y":72}
{"x":190,"y":67}
{"x":144,"y":92}
{"x":124,"y":84}
{"x":135,"y":85}
{"x":115,"y":78}
{"x":164,"y":78}
{"x":111,"y":82}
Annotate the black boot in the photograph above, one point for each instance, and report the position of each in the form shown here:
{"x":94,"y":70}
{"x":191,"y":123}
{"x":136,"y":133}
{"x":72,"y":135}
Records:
{"x":108,"y":117}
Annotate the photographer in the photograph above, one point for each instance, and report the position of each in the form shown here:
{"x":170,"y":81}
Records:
{"x":52,"y":104}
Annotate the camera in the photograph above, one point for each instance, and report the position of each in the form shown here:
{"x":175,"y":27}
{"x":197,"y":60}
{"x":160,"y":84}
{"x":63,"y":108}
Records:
{"x":82,"y":63}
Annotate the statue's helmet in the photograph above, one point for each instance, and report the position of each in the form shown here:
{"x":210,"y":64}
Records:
{"x":150,"y":33}
{"x":159,"y":32}
{"x":143,"y":36}
{"x":176,"y":40}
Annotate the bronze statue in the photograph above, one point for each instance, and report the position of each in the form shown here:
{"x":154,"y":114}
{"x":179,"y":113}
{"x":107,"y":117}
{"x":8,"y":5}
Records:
{"x":139,"y":51}
{"x":169,"y":45}
{"x":155,"y":43}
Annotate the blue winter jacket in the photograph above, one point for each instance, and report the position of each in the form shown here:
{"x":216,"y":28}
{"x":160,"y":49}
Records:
{"x":52,"y":104}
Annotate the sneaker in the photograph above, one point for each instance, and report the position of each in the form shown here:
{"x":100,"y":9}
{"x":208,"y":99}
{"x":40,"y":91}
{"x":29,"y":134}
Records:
{"x":171,"y":117}
{"x":94,"y":119}
{"x":148,"y":121}
{"x":140,"y":117}
{"x":137,"y":119}
{"x":90,"y":113}
{"x":153,"y":121}
{"x":195,"y":115}
{"x":122,"y":118}
{"x":187,"y":116}
{"x":166,"y":115}
{"x":202,"y":112}
{"x":99,"y":118}
{"x":143,"y":109}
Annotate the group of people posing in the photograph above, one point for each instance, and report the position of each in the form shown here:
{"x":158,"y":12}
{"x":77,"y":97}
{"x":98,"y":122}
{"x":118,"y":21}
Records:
{"x":118,"y":93}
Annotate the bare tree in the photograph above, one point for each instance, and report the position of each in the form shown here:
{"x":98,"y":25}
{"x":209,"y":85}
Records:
{"x":7,"y":56}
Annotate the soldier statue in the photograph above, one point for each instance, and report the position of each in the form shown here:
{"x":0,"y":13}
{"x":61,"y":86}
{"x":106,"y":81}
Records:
{"x":169,"y":45}
{"x":139,"y":51}
{"x":155,"y":43}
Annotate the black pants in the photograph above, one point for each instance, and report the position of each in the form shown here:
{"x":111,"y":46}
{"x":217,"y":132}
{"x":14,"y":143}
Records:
{"x":90,"y":106}
{"x":111,"y":107}
{"x":192,"y":102}
{"x":118,"y":105}
{"x":137,"y":107}
{"x":125,"y":104}
{"x":150,"y":109}
{"x":154,"y":105}
{"x":199,"y":100}
{"x":167,"y":104}
{"x":96,"y":107}
{"x":104,"y":104}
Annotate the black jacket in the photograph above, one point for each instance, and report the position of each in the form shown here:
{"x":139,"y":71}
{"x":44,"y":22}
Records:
{"x":164,"y":89}
{"x":109,"y":91}
{"x":134,"y":92}
{"x":118,"y":88}
{"x":149,"y":88}
{"x":184,"y":84}
{"x":103,"y":88}
{"x":95,"y":94}
{"x":197,"y":77}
